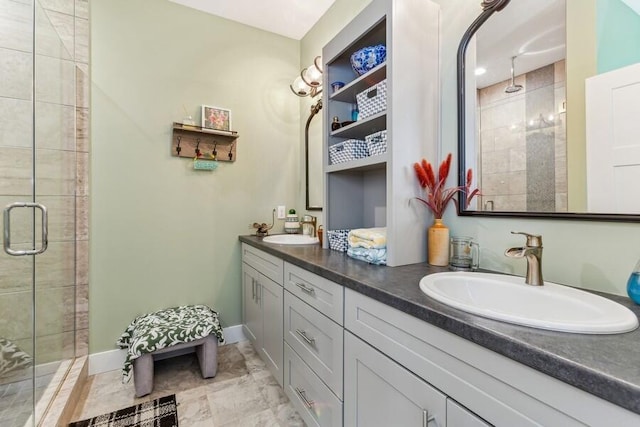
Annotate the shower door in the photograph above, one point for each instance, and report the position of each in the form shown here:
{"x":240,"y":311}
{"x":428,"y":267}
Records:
{"x":37,"y":170}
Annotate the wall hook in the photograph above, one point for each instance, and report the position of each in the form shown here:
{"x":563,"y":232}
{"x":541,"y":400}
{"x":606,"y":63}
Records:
{"x":215,"y":151}
{"x":178,"y":148}
{"x":231,"y":151}
{"x":198,"y":153}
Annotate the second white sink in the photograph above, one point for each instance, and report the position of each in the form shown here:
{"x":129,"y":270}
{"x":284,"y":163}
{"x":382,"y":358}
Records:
{"x":507,"y":298}
{"x":291,"y":239}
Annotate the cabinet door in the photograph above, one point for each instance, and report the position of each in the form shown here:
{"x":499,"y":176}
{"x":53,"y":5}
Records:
{"x":379,"y":392}
{"x":458,"y":416}
{"x":271,"y":300}
{"x":251,"y":312}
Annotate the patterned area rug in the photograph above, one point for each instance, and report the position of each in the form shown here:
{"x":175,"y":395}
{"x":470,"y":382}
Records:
{"x":159,"y":412}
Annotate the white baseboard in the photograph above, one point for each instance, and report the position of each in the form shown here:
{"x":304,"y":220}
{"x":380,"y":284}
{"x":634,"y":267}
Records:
{"x":112,"y":360}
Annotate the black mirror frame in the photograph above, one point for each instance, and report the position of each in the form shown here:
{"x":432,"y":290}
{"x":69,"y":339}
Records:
{"x":315,"y":109}
{"x":489,"y":8}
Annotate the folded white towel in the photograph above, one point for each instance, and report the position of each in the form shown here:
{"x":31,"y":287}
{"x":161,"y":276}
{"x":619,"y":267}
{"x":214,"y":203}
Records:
{"x":369,"y":238}
{"x":372,"y":256}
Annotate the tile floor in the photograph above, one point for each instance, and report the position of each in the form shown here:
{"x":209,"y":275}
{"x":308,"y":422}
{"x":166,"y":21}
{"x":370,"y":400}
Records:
{"x":16,"y":400}
{"x":243,"y":393}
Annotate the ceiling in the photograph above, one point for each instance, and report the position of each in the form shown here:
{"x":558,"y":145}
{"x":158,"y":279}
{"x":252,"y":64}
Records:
{"x":533,"y":31}
{"x":290,"y":18}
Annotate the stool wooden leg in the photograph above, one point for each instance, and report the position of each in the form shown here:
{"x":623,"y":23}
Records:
{"x":207,"y":353}
{"x":143,"y":374}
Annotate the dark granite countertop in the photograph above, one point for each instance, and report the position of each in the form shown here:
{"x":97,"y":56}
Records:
{"x":603,"y":365}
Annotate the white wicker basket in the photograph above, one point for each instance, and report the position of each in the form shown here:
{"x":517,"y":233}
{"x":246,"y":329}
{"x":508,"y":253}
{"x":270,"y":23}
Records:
{"x":350,"y":149}
{"x":377,"y":143}
{"x":338,"y":240}
{"x":372,"y":100}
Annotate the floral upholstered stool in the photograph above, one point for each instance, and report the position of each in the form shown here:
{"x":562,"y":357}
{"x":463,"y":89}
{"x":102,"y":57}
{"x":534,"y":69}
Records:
{"x":169,"y":330}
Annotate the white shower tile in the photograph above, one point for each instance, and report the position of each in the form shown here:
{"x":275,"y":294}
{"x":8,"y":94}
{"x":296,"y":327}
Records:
{"x":82,"y":85}
{"x":55,"y":126}
{"x":81,"y":40}
{"x":62,"y":217}
{"x":16,"y":26}
{"x":55,"y":309}
{"x":55,"y":267}
{"x":15,"y":170}
{"x":51,"y":37}
{"x":55,"y":80}
{"x":63,"y":6}
{"x":15,"y":126}
{"x":82,"y":8}
{"x":16,"y":71}
{"x":56,"y":172}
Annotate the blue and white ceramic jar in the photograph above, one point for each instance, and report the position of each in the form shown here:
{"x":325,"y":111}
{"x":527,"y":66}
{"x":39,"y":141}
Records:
{"x":367,"y":58}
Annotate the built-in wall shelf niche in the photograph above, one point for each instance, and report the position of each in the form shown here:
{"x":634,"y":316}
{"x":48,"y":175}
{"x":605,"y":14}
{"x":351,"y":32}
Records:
{"x":188,"y":141}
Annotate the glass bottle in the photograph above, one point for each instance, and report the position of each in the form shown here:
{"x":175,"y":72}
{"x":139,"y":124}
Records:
{"x":633,"y":284}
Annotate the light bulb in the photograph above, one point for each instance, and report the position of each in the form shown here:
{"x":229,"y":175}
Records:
{"x":312,"y":75}
{"x":300,"y":87}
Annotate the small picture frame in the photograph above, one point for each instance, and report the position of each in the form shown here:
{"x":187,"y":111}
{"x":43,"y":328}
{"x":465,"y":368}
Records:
{"x":216,"y":118}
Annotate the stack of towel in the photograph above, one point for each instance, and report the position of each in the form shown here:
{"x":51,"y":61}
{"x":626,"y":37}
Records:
{"x":368,"y":244}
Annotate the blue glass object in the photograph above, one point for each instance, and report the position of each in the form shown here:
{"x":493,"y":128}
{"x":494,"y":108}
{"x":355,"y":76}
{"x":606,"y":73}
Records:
{"x":633,"y":285}
{"x":354,"y":113}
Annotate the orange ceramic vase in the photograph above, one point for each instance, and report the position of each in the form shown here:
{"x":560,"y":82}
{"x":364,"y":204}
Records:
{"x":438,"y":244}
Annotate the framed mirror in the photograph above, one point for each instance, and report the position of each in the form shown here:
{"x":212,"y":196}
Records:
{"x":548,"y":107}
{"x":313,"y":159}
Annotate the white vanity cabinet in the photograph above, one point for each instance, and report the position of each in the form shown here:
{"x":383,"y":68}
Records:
{"x":313,"y":334}
{"x":262,"y":306}
{"x":380,"y":392}
{"x":488,"y":388}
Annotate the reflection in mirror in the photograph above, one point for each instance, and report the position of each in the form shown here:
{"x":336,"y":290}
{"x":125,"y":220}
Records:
{"x":522,"y":123}
{"x":312,"y":157}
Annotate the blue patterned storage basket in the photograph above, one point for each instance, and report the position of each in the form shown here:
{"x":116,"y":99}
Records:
{"x":350,"y":149}
{"x":377,"y":143}
{"x":372,"y":100}
{"x":338,"y":239}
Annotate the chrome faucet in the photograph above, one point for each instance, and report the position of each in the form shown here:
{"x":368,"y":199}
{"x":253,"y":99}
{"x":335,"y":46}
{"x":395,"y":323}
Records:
{"x":312,"y":222}
{"x":533,"y":253}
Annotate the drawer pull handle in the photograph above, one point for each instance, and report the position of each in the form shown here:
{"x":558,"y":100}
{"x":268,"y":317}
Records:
{"x":308,"y":403}
{"x":426,"y":419}
{"x":304,"y":336}
{"x":305,"y":288}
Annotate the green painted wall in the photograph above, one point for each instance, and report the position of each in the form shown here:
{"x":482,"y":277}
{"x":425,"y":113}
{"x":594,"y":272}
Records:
{"x":163,"y":234}
{"x":618,"y":29}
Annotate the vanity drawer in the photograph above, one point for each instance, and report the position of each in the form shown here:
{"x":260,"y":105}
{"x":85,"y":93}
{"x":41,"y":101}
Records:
{"x":324,"y":295}
{"x":317,"y":339}
{"x":265,"y":263}
{"x":313,"y":400}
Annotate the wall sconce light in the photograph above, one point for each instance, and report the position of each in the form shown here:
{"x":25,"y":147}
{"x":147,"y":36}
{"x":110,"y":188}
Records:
{"x":309,"y":82}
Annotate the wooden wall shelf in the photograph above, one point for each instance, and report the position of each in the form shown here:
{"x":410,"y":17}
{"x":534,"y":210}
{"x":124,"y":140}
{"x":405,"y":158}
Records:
{"x":187,"y":139}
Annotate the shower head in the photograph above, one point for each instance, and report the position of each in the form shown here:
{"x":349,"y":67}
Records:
{"x":513,"y":87}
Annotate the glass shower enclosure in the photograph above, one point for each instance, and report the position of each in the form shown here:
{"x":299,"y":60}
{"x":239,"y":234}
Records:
{"x":39,"y":200}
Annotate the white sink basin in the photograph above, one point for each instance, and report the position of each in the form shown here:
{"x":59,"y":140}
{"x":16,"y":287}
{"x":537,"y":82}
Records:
{"x":291,"y":239}
{"x":509,"y":299}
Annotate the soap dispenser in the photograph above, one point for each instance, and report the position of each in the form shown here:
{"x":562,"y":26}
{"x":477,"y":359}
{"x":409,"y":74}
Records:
{"x":633,"y":284}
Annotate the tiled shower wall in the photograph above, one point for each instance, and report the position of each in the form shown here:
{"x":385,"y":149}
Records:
{"x":62,"y":161}
{"x":523,"y":164}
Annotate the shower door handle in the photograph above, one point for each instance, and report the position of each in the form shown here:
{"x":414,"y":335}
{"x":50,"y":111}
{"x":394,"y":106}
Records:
{"x":7,"y":229}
